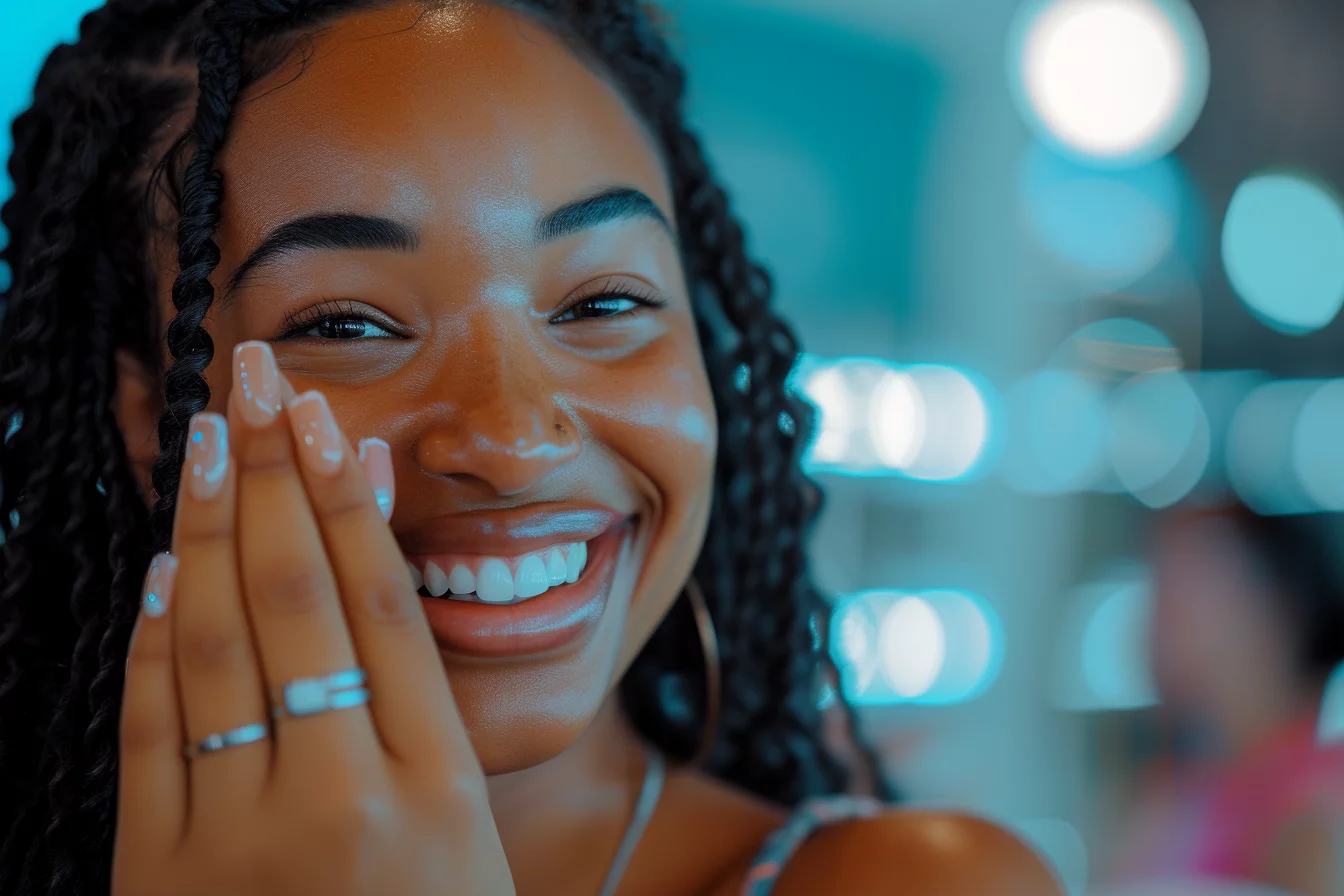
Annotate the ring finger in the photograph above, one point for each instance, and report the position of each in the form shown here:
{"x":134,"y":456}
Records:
{"x":219,"y":682}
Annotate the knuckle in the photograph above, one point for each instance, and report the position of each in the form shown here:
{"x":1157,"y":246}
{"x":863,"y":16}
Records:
{"x":203,"y":531}
{"x":355,"y":820}
{"x":203,"y":647}
{"x":143,"y":730}
{"x":293,"y":588}
{"x":386,"y":600}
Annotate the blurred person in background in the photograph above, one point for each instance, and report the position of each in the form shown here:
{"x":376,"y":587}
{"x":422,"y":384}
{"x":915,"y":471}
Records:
{"x":484,"y":231}
{"x":1247,"y":628}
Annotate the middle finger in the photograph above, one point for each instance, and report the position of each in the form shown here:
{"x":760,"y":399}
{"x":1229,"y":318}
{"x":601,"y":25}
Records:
{"x":291,"y":593}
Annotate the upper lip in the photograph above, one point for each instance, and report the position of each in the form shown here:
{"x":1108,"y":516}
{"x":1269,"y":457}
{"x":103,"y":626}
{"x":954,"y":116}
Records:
{"x":511,"y":532}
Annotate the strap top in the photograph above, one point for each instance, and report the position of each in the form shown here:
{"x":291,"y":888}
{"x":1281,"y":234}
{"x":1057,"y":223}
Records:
{"x":780,"y":846}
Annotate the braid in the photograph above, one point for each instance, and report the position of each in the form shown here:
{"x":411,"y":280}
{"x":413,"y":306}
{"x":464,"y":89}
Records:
{"x":76,"y":541}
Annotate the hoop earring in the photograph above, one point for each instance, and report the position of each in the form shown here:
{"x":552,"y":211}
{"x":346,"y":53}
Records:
{"x":709,"y":650}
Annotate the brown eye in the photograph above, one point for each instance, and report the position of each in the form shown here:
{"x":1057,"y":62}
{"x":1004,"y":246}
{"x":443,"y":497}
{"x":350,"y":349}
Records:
{"x":603,"y":306}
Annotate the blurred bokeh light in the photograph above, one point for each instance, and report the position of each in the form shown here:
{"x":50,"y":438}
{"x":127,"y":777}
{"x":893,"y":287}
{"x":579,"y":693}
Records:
{"x":1113,"y":80}
{"x":1158,"y":438}
{"x":932,"y":647}
{"x":926,"y":422}
{"x":1283,"y":249}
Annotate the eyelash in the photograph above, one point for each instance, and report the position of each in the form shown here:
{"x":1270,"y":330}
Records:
{"x":300,"y":323}
{"x":645,"y":299}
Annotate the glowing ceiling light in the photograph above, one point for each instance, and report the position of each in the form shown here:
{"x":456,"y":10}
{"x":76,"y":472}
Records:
{"x":1112,"y":79}
{"x":914,"y":646}
{"x":896,"y":420}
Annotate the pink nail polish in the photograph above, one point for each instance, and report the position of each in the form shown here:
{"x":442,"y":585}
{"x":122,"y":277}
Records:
{"x":159,"y":585}
{"x":207,"y":455}
{"x":315,"y":433}
{"x":376,"y":458}
{"x":256,"y":379}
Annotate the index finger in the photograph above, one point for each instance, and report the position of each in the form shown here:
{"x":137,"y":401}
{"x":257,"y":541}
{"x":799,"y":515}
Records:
{"x":411,"y":702}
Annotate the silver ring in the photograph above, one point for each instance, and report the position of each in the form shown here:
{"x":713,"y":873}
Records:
{"x":312,"y":696}
{"x":237,"y":737}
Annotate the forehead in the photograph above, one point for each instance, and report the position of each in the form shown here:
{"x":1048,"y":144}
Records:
{"x":468,"y":116}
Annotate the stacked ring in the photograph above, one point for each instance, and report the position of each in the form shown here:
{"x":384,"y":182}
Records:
{"x":312,"y":696}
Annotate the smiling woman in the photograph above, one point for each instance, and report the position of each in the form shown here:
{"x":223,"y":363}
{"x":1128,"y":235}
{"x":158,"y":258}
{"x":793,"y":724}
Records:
{"x":476,"y":240}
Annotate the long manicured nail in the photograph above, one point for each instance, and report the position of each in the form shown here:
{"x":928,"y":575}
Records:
{"x":207,"y":455}
{"x":376,"y":458}
{"x":256,"y":379}
{"x":159,"y":584}
{"x":315,"y":432}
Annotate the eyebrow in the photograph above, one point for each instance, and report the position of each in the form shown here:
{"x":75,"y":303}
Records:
{"x":351,"y":231}
{"x":330,"y":232}
{"x":615,"y":204}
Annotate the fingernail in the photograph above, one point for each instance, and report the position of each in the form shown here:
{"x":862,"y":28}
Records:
{"x":256,"y":379}
{"x":159,"y":584}
{"x":315,"y":432}
{"x":207,"y":455}
{"x":376,"y":459}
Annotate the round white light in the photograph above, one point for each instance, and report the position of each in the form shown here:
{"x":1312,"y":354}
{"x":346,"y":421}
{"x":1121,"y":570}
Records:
{"x":914,"y":646}
{"x":956,"y":424}
{"x":1283,"y":249}
{"x":855,"y":646}
{"x":973,"y":646}
{"x":828,"y":390}
{"x":896,"y":420}
{"x":1115,"y":78}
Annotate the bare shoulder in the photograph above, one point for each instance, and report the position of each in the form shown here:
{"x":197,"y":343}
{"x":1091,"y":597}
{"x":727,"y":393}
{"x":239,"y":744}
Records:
{"x":916,"y":853}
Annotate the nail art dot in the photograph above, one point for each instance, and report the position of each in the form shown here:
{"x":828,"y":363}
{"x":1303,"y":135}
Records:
{"x":196,"y":469}
{"x":198,"y":436}
{"x":153,"y":606}
{"x":307,"y":440}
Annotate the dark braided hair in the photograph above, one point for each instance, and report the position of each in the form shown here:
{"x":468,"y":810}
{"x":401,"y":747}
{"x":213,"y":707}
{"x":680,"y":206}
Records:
{"x":82,"y":221}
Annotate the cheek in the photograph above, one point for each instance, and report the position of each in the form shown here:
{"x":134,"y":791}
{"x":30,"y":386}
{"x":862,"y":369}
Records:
{"x":656,"y":420}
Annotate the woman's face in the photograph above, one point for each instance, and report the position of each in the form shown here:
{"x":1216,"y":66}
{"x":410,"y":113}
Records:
{"x":488,"y":231}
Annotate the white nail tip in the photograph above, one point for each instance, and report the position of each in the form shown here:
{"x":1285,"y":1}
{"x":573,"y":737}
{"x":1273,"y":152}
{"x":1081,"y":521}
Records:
{"x":416,"y":579}
{"x":460,"y":580}
{"x":556,"y":570}
{"x":494,"y":583}
{"x":435,"y":581}
{"x":531,"y":578}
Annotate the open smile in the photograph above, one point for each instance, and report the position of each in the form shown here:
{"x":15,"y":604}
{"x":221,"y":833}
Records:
{"x":534,"y":581}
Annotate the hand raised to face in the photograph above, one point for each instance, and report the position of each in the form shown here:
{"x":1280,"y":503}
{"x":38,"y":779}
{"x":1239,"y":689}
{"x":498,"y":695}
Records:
{"x":283,"y":574}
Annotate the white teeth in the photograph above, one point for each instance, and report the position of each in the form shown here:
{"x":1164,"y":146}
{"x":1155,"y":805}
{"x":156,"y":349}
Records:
{"x":417,"y":579}
{"x":556,"y":571}
{"x":494,"y":583}
{"x":578,"y":557}
{"x":461,"y":581}
{"x":436,"y":583}
{"x":531,"y":579}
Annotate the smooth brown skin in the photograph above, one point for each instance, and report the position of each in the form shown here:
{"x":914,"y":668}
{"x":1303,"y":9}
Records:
{"x":470,"y":124}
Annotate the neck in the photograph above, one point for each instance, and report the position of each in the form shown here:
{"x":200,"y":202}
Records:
{"x":571,"y":811}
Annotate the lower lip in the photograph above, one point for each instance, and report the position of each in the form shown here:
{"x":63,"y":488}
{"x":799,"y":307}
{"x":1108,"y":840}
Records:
{"x":541,"y":624}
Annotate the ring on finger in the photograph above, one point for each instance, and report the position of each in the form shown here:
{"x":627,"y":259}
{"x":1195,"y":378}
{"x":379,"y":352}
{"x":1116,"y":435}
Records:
{"x":234,"y":737}
{"x":313,"y":696}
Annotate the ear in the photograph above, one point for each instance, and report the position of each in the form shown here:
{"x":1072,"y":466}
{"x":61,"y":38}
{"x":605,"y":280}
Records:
{"x":136,"y":406}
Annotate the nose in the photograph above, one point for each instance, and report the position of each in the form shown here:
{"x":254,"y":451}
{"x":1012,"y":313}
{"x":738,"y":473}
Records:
{"x":503,"y":422}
